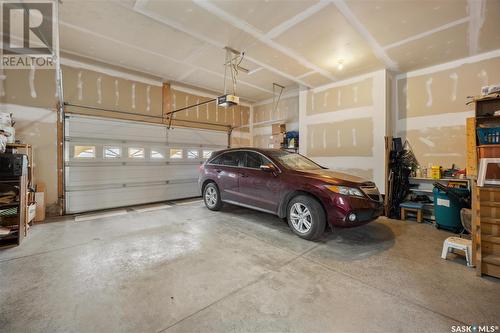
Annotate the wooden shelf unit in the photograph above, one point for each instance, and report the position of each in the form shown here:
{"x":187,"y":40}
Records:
{"x":16,"y":224}
{"x":486,"y":199}
{"x":486,"y":227}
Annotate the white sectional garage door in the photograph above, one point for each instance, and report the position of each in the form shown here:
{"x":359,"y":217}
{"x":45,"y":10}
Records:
{"x":111,"y":163}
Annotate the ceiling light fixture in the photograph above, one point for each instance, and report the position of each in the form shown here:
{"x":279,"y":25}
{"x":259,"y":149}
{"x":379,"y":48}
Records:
{"x":340,"y":65}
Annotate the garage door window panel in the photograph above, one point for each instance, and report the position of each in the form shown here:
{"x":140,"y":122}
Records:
{"x":193,"y":153}
{"x":207,"y":153}
{"x":136,"y":152}
{"x":84,"y":152}
{"x":112,"y":152}
{"x":175,"y":153}
{"x":157,"y":154}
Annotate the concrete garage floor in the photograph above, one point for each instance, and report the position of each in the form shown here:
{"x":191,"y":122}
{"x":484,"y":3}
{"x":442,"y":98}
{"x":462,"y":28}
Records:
{"x":187,"y":269}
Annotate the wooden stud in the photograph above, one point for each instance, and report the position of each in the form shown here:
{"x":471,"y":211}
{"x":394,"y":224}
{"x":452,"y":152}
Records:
{"x":166,"y":105}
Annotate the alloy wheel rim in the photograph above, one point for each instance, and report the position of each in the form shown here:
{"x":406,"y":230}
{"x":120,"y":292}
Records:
{"x":301,"y":217}
{"x":211,"y":197}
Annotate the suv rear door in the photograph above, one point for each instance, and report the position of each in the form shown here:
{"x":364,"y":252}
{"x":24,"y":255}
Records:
{"x":227,"y":169}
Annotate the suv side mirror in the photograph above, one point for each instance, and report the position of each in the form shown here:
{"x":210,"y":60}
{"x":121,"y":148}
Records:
{"x":267,"y":167}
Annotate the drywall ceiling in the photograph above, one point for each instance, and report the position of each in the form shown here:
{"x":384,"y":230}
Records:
{"x":290,"y":42}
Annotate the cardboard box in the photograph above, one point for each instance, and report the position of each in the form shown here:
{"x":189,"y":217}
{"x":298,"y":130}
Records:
{"x":278,"y":128}
{"x":277,"y":140}
{"x":40,"y":202}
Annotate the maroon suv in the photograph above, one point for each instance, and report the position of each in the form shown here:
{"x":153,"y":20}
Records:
{"x":288,"y":185}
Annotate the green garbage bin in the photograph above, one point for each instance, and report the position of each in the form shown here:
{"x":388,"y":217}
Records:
{"x":447,"y":209}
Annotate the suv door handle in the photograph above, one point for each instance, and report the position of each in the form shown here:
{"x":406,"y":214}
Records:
{"x":218,"y":170}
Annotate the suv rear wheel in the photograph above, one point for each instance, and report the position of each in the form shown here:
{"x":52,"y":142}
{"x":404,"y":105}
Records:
{"x":306,"y":217}
{"x":211,"y":196}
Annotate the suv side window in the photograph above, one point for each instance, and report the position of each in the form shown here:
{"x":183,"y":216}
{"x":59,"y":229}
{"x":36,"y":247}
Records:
{"x":255,"y":160}
{"x":228,"y":159}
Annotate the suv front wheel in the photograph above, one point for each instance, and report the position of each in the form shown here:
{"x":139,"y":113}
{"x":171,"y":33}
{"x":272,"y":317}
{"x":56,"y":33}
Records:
{"x":306,"y":217}
{"x":211,"y":196}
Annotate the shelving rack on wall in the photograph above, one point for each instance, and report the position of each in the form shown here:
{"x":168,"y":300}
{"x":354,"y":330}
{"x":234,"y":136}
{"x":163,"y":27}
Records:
{"x":13,"y":214}
{"x":485,"y":199}
{"x":27,"y":149}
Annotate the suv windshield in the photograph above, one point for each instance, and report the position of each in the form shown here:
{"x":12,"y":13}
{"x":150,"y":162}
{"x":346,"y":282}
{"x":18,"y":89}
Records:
{"x":294,"y":161}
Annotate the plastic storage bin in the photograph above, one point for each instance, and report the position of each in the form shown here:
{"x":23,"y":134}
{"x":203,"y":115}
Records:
{"x":488,"y":136}
{"x":447,"y":210}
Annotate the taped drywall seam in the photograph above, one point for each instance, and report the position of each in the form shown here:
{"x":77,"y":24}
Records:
{"x":99,"y":90}
{"x":186,"y":103}
{"x":339,"y":97}
{"x":133,"y":95}
{"x":375,"y":46}
{"x":117,"y":93}
{"x":79,"y":86}
{"x":324,"y":138}
{"x":206,"y":110}
{"x":148,"y":98}
{"x":281,"y":28}
{"x":484,"y":77}
{"x":286,"y":95}
{"x":476,"y":10}
{"x":139,"y":8}
{"x":104,"y":70}
{"x":311,"y":134}
{"x":217,"y":114}
{"x":31,"y":81}
{"x":325,"y":97}
{"x":233,"y":117}
{"x":355,"y":93}
{"x":427,"y":142}
{"x":242,"y":25}
{"x":427,"y":33}
{"x":449,"y":65}
{"x":428,"y":89}
{"x":344,"y":114}
{"x":338,"y":139}
{"x":454,"y":77}
{"x":433,"y":121}
{"x":405,"y":93}
{"x":354,"y":143}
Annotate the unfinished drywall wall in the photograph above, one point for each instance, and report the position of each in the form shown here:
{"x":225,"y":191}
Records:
{"x":342,"y":125}
{"x":207,"y":116}
{"x":29,"y":95}
{"x":93,"y":89}
{"x":286,"y":111}
{"x":353,"y":137}
{"x":351,"y":96}
{"x":431,"y":110}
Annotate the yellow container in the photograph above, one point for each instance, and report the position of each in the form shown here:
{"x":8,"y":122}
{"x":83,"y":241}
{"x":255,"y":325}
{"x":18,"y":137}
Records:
{"x":436,"y":172}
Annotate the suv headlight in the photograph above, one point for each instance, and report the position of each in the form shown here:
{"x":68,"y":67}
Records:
{"x":346,"y":190}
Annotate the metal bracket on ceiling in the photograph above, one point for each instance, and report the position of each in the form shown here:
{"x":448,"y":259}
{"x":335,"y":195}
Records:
{"x":277,"y":88}
{"x":233,"y":62}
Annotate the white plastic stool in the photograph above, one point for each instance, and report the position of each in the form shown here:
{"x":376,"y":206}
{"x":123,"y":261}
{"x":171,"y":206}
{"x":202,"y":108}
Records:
{"x":462,"y":244}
